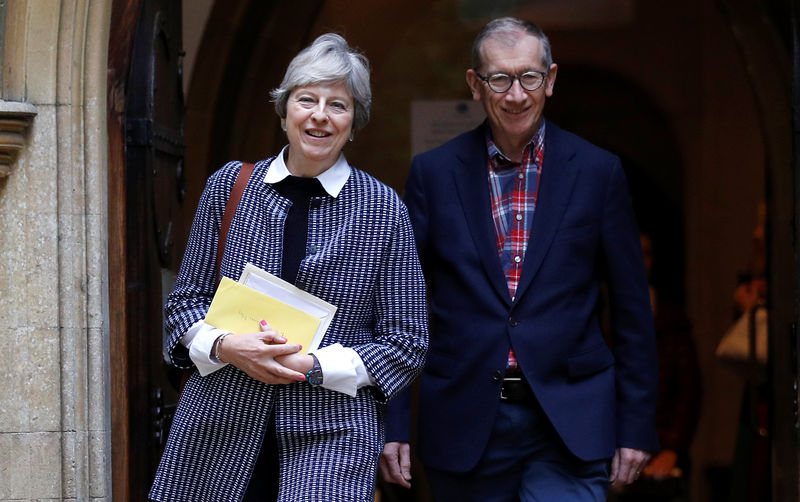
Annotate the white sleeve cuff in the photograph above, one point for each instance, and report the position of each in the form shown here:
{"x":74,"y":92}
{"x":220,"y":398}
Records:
{"x":343,"y":369}
{"x":200,"y":341}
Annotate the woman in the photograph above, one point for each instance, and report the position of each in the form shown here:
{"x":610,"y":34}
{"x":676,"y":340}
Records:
{"x":254,"y":423}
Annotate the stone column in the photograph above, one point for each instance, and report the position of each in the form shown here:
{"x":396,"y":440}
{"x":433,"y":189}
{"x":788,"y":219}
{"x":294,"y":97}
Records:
{"x":54,"y":408}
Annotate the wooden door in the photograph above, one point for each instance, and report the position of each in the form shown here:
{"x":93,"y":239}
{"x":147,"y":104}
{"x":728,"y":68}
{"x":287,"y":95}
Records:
{"x":154,"y":191}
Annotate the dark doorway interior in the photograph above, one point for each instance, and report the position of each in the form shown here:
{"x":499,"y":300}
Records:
{"x":642,"y":108}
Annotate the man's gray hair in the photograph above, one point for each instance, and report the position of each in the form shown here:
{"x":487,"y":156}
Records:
{"x":328,"y":59}
{"x":510,"y":26}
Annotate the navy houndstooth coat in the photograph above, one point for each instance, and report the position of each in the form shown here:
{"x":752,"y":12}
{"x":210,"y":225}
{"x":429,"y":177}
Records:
{"x":360,"y":257}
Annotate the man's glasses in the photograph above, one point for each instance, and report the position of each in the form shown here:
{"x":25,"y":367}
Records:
{"x":501,"y":82}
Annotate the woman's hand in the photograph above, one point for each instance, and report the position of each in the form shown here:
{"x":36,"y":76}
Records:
{"x":256,"y":354}
{"x":298,"y":362}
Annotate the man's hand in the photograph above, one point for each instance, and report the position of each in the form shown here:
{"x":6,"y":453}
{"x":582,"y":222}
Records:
{"x":626,"y":466}
{"x":395,"y":464}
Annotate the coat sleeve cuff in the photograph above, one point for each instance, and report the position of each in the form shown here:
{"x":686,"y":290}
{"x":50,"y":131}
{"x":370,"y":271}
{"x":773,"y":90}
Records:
{"x":200,"y":341}
{"x":343,"y":369}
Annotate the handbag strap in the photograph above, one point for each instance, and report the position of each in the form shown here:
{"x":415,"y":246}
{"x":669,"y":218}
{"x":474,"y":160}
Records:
{"x":230,"y":210}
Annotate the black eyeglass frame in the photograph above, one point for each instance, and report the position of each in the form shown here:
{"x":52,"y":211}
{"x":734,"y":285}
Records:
{"x":486,"y":78}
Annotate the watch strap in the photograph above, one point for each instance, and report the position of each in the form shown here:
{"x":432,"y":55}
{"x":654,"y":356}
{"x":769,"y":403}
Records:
{"x":314,"y":375}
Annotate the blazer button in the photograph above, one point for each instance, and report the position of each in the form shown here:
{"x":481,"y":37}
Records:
{"x":513,"y":322}
{"x":497,"y":376}
{"x":316,"y":203}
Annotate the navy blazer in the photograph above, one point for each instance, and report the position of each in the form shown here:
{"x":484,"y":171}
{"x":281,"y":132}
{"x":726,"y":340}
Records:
{"x":584,"y":233}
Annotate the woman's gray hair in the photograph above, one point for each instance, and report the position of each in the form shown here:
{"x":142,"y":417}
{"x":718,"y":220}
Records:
{"x":328,"y":59}
{"x":510,"y":26}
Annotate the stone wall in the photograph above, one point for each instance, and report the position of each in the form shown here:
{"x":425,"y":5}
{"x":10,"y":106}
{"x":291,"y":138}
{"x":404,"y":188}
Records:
{"x":54,"y":416}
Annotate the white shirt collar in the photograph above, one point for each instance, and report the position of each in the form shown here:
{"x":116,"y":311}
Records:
{"x":332,"y":179}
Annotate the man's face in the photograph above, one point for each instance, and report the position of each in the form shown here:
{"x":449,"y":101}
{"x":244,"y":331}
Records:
{"x":513,"y":115}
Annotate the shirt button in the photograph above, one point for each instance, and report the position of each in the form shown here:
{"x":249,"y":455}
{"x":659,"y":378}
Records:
{"x":521,"y":176}
{"x":518,"y":217}
{"x":513,"y":322}
{"x":312,"y":248}
{"x":517,"y":259}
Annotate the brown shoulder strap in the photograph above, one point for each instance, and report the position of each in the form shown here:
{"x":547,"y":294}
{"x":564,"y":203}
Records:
{"x":230,"y":209}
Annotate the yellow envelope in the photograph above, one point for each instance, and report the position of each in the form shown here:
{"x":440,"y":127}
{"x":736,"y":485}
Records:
{"x":238,"y":309}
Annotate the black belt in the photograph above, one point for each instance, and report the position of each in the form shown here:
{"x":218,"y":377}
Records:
{"x":515,"y":389}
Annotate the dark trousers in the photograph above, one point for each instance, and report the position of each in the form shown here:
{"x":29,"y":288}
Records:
{"x":263,"y":486}
{"x":525,"y":461}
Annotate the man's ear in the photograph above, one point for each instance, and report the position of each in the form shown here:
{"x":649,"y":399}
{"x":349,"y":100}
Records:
{"x":474,"y":84}
{"x":551,"y":80}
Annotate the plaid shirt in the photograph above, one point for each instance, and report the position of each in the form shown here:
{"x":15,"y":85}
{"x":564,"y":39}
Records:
{"x":514,"y":189}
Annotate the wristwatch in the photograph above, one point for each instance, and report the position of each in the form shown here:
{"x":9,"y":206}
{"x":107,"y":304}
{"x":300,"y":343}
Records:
{"x":314,"y":375}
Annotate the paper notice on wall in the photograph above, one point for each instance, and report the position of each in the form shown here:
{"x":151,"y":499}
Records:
{"x":435,"y":122}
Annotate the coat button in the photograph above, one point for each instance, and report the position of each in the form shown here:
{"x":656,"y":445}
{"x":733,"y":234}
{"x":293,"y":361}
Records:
{"x":316,"y":203}
{"x":513,"y":322}
{"x":497,"y":376}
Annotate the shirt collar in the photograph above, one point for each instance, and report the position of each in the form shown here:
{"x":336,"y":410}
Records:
{"x":332,"y":179}
{"x":494,"y":150}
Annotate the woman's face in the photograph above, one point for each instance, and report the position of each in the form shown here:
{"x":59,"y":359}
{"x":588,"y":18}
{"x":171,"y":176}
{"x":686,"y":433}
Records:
{"x":319,"y":119}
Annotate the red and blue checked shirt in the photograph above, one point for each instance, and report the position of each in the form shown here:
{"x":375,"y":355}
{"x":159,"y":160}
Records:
{"x":514,"y":188}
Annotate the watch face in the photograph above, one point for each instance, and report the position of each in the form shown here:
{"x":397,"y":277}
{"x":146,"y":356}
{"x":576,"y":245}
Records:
{"x":315,"y":377}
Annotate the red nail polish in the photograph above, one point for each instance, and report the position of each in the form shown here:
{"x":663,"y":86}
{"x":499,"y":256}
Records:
{"x":263,"y":322}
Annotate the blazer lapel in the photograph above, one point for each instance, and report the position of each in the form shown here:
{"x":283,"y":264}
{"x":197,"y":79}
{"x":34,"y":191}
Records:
{"x":472,"y":182}
{"x":557,"y":180}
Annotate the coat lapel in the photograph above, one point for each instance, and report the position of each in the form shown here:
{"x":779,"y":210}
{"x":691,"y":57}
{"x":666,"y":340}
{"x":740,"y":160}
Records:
{"x":472,"y":183}
{"x":557,"y":180}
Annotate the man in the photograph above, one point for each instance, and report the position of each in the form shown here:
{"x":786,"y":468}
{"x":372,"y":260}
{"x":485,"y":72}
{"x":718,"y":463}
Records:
{"x":516,"y":223}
